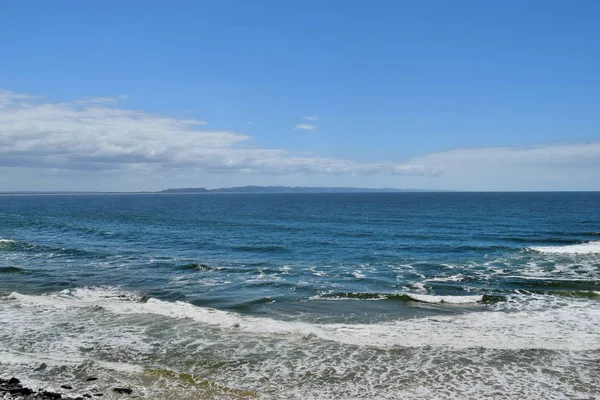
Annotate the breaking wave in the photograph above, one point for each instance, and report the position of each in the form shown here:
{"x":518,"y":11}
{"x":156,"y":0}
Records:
{"x":12,"y":270}
{"x":582,"y":248}
{"x":568,"y":325}
{"x":424,"y":298}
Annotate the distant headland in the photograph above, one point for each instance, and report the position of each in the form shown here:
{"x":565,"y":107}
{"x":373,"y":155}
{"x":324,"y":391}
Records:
{"x":291,"y":189}
{"x":236,"y":189}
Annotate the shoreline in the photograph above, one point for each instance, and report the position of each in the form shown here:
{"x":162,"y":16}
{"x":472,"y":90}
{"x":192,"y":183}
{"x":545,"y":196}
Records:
{"x":13,"y":389}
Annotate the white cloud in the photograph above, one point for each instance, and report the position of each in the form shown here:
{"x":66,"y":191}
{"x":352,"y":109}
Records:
{"x":311,"y":118}
{"x":305,"y":127}
{"x":100,"y":100}
{"x":93,"y":143}
{"x":92,"y":135}
{"x":560,"y":166}
{"x":563,"y":154}
{"x":7,"y":97}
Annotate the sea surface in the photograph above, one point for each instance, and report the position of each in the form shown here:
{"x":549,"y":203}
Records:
{"x":304,"y":296}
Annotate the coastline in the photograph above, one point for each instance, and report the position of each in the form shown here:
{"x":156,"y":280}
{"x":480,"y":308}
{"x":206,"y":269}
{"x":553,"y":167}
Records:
{"x":13,"y":389}
{"x":152,"y":383}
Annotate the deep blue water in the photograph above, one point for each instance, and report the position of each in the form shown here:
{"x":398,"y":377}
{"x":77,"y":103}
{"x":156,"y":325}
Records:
{"x":327,"y":264}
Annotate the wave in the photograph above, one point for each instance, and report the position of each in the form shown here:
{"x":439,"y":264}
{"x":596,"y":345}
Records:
{"x":250,"y":304}
{"x":479,"y":248}
{"x":12,"y":270}
{"x":581,"y":248}
{"x":14,"y":245}
{"x":451,"y":278}
{"x":85,"y":296}
{"x":422,"y":298}
{"x":553,"y":283}
{"x":199,"y":267}
{"x":589,"y":294}
{"x":196,"y":267}
{"x":425,"y":298}
{"x":258,"y":282}
{"x":518,"y":239}
{"x":6,"y":244}
{"x":570,"y":325}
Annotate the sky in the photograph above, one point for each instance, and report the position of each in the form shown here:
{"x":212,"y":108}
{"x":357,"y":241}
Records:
{"x":450,"y":95}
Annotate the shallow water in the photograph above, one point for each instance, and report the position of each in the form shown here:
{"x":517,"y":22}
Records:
{"x":407,"y":295}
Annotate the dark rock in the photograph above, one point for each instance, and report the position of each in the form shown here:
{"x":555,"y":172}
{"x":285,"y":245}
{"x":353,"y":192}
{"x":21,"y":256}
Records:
{"x":87,"y":395}
{"x":98,"y":394}
{"x":51,"y":395}
{"x":123,"y":390}
{"x":78,"y":398}
{"x":13,"y":381}
{"x":91,"y":378}
{"x":23,"y":391}
{"x":42,"y":367}
{"x":68,"y":387}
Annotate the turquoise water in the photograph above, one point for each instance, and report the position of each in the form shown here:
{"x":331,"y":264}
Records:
{"x":404,"y":295}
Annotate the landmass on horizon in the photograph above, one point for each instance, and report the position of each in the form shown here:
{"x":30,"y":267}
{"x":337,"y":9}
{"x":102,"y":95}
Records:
{"x":292,"y":189}
{"x":245,"y":189}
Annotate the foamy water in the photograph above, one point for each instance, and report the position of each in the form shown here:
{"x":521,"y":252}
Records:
{"x":128,"y":324}
{"x":583,"y":248}
{"x":416,"y":296}
{"x":557,"y":325}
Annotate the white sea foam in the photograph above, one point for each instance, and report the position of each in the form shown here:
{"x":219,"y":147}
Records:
{"x":583,"y":248}
{"x":427,"y":298}
{"x":424,"y":298}
{"x":80,"y":297}
{"x":59,"y":360}
{"x":538,"y":265}
{"x":49,"y":359}
{"x":420,"y":287}
{"x":571,"y":326}
{"x":451,"y":356}
{"x":546,"y":277}
{"x":451,"y":278}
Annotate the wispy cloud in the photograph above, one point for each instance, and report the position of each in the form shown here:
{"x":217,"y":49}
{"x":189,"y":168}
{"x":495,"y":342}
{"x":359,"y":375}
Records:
{"x":562,"y":166}
{"x":96,"y":135}
{"x":311,"y":118}
{"x":543,"y":155}
{"x":92,"y":138}
{"x":7,"y":97}
{"x":101,"y":100}
{"x":306,"y":127}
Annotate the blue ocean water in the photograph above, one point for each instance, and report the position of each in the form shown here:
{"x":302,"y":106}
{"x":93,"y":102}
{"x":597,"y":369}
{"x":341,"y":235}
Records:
{"x":379,"y":295}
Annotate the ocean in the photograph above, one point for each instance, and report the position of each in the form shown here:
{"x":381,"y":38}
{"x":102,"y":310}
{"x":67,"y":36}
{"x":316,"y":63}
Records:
{"x":304,"y":296}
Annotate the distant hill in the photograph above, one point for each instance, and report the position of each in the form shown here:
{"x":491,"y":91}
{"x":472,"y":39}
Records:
{"x":289,"y":189}
{"x":184,"y":190}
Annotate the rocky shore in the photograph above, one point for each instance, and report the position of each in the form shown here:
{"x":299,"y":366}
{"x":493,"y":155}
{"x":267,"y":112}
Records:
{"x":12,"y":389}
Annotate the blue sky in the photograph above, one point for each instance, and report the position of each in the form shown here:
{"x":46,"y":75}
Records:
{"x":144,"y":95}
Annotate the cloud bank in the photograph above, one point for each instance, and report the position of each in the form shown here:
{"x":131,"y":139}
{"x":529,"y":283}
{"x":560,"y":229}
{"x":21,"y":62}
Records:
{"x":94,"y":134}
{"x":554,"y":166}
